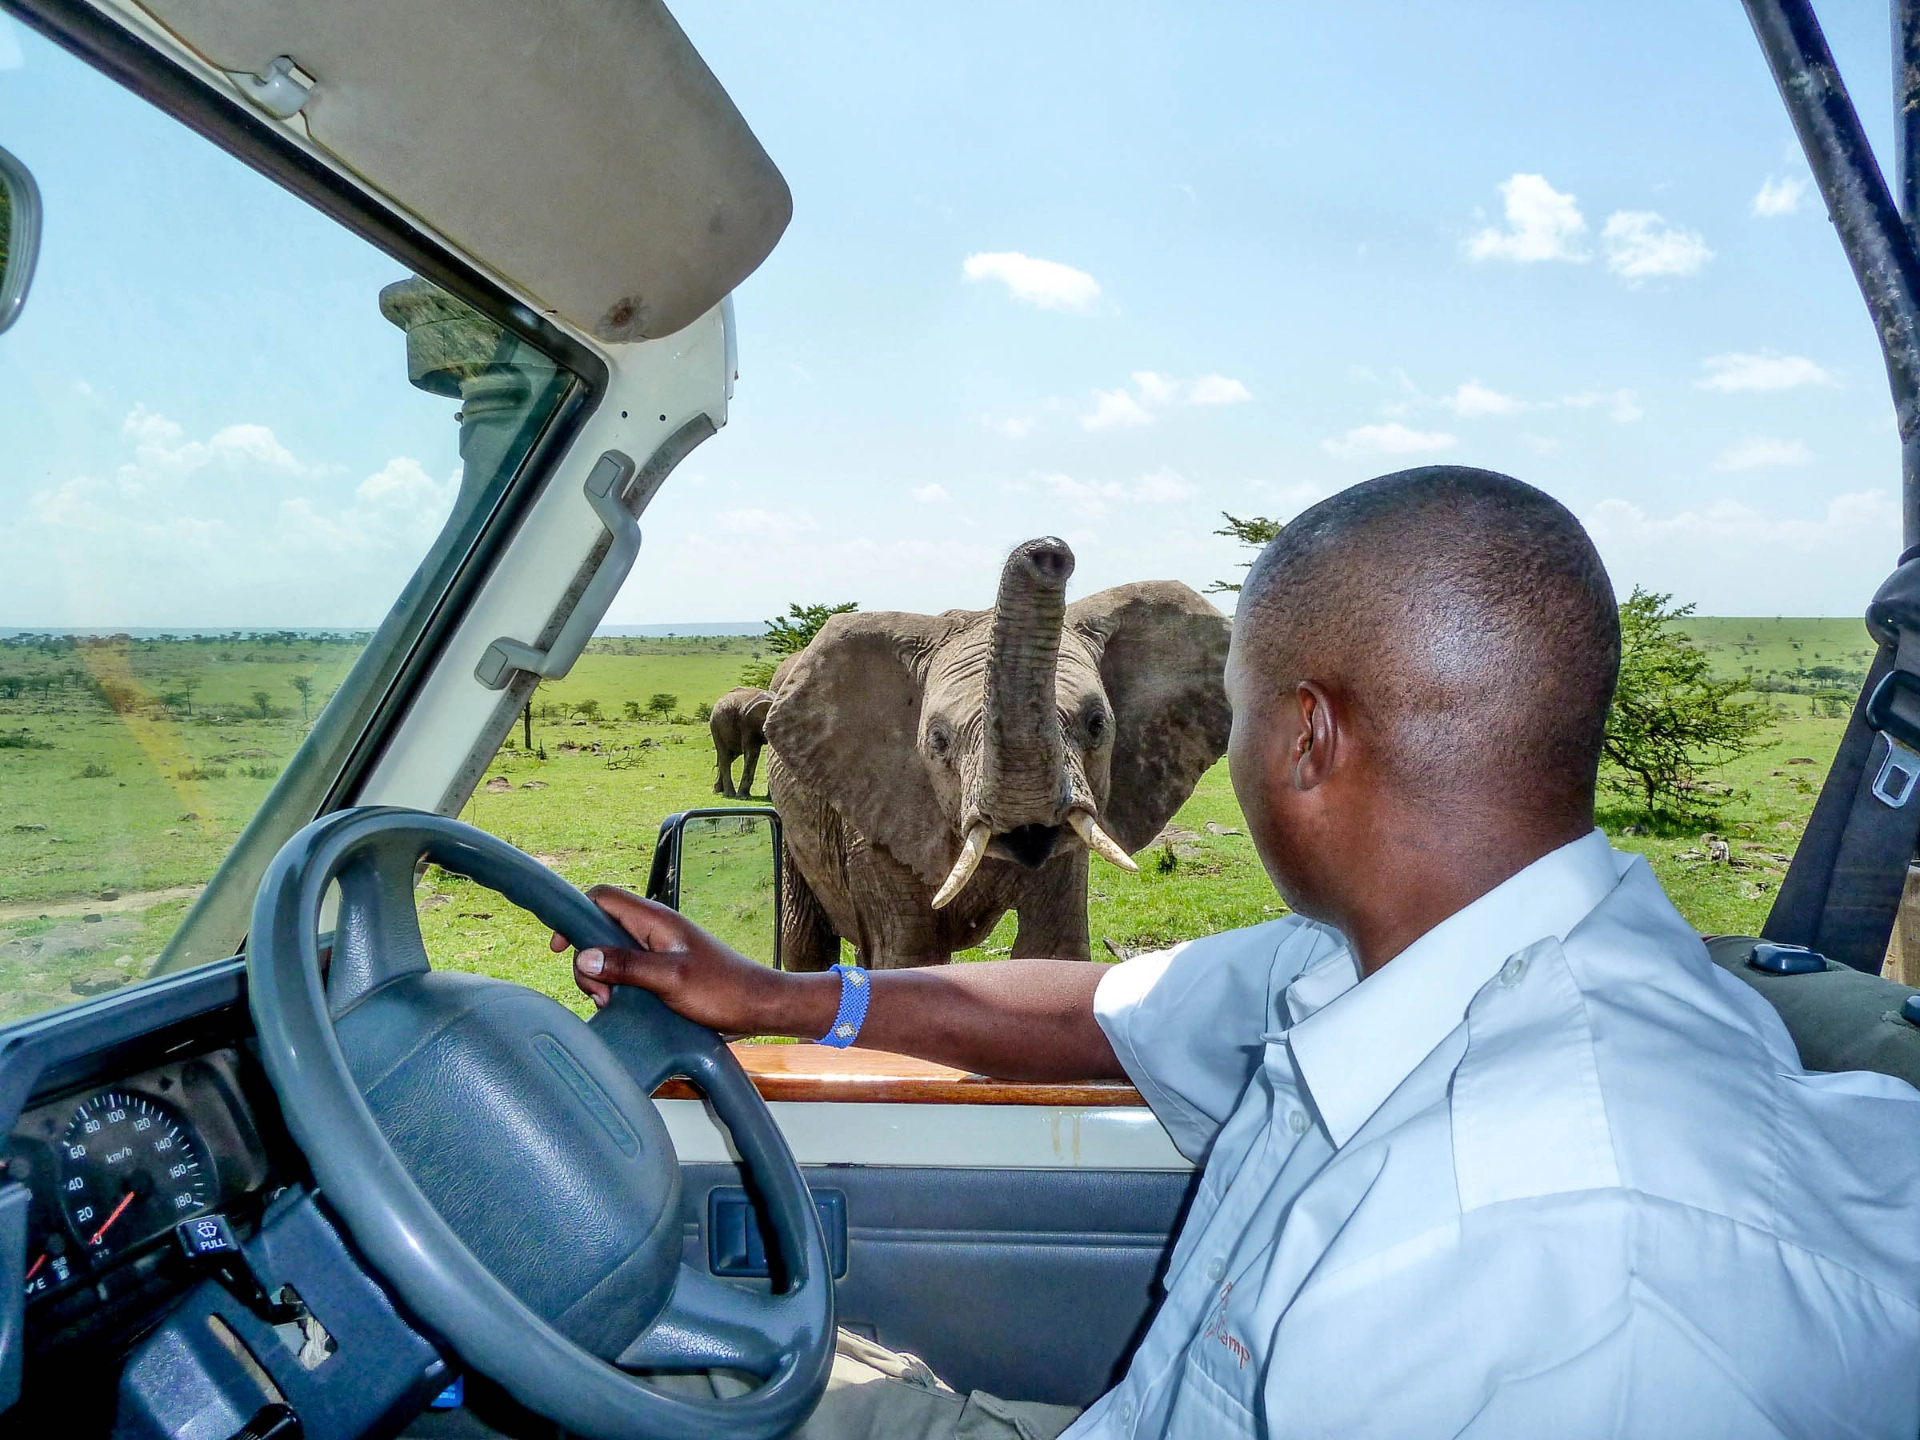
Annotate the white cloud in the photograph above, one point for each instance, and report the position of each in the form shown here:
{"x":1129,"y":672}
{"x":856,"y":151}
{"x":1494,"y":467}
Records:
{"x":1732,"y":529}
{"x":1156,"y":389}
{"x":232,"y":528}
{"x":1642,"y":246}
{"x":1737,"y":371}
{"x":1762,"y":453}
{"x":767,"y":524}
{"x":1045,"y":283}
{"x":400,"y":507}
{"x":1153,"y":394}
{"x":1473,"y":398}
{"x":403,"y":484}
{"x":1113,"y":409}
{"x":931,"y":493}
{"x":1217,"y":390}
{"x":1542,"y":224}
{"x":1393,"y":438}
{"x":1622,"y":406}
{"x":1092,"y":498}
{"x":1779,"y":197}
{"x":1163,"y":486}
{"x":1014,"y":427}
{"x":162,"y":453}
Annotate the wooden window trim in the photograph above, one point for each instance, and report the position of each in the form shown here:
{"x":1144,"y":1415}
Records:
{"x":818,"y":1072}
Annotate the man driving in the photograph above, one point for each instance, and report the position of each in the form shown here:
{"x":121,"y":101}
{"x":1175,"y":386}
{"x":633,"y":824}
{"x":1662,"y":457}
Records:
{"x":1490,"y":1146}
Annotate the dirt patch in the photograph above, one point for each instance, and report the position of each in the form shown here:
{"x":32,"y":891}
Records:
{"x":72,"y":937}
{"x":132,"y":901}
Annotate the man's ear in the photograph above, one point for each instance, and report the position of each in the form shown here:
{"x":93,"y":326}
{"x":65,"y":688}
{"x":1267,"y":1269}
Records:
{"x":1316,"y":748}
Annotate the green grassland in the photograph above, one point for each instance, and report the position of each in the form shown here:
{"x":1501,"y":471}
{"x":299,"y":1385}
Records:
{"x":183,"y":775}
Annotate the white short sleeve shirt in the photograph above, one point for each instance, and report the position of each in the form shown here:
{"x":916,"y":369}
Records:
{"x":1548,"y":1172}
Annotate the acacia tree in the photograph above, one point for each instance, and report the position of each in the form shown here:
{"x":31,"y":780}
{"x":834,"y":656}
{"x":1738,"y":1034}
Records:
{"x":303,"y":686}
{"x":1670,"y":718}
{"x":789,"y":634}
{"x":1255,"y":530}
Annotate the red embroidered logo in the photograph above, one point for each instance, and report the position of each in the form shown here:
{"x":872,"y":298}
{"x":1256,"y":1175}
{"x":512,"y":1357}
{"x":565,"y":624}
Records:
{"x":1217,"y":1329}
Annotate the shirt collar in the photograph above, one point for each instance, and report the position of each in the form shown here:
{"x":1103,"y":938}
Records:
{"x":1354,"y":1043}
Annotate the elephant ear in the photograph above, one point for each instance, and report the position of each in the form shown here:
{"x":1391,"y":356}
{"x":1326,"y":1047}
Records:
{"x":846,"y":721}
{"x":1163,"y":657}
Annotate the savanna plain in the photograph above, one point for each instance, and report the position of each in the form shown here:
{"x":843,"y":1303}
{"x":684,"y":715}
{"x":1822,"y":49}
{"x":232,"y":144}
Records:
{"x":129,"y":766}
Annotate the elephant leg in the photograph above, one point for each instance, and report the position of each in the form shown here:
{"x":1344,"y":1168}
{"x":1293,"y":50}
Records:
{"x":1052,"y":905}
{"x":808,"y":940}
{"x":750,"y":758}
{"x":723,"y":778}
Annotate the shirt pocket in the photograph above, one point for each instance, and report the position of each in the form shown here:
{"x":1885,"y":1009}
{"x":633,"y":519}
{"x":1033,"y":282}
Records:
{"x":1207,"y":1407}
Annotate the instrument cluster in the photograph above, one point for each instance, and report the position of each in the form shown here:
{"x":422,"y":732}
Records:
{"x":113,"y":1168}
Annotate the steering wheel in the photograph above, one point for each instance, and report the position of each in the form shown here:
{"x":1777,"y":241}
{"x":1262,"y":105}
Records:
{"x":499,"y":1162}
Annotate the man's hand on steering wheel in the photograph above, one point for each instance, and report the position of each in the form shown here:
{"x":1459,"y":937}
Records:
{"x":697,"y":976}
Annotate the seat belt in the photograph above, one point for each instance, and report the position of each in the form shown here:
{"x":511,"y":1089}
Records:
{"x":1842,"y":893}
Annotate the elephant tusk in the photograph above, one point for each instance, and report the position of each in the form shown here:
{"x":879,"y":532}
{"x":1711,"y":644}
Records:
{"x":970,"y":856}
{"x":1099,"y":842}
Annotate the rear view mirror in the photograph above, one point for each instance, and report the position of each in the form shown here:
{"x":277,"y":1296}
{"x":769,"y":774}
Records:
{"x":721,"y":869}
{"x":19,"y":235}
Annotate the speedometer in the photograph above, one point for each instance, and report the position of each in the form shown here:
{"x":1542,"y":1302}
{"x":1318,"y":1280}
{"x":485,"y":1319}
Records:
{"x":130,"y":1169}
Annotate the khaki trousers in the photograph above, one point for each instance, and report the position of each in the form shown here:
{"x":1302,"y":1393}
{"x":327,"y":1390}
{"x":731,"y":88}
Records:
{"x":881,"y":1394}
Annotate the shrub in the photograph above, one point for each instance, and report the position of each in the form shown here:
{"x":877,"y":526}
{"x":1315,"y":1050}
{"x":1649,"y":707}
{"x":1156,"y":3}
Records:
{"x":1669,"y":717}
{"x":91,"y":771}
{"x":788,"y":634}
{"x":587,"y":709}
{"x":757,"y":673}
{"x":21,"y":740}
{"x":662,"y":704}
{"x":1256,"y":531}
{"x":703,"y":711}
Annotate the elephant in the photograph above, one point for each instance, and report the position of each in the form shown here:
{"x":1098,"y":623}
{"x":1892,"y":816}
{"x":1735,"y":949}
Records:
{"x":739,"y":728}
{"x":933,"y":772}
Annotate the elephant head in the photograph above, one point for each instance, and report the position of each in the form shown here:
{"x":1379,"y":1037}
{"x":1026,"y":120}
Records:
{"x":1023,"y":733}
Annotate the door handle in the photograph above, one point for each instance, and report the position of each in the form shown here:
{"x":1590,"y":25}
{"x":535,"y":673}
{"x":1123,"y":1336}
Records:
{"x":737,"y":1247}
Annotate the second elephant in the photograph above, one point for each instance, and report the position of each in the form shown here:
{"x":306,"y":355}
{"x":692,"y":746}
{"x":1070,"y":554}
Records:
{"x":933,"y":772}
{"x":739,"y":728}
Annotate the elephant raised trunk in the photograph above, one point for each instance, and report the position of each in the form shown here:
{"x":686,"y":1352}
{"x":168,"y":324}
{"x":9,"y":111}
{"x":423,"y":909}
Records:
{"x":1024,"y":786}
{"x":1031,"y":797}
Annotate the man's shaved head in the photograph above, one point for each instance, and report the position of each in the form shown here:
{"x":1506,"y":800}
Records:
{"x":1467,"y":620}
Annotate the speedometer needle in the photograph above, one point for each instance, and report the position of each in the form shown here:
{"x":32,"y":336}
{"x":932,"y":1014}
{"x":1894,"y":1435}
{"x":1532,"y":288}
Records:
{"x":118,"y":1211}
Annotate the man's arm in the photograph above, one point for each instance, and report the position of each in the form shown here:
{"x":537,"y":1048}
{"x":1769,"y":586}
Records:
{"x":1012,"y":1019}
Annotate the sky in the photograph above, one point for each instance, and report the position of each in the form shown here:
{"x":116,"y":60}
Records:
{"x":1096,"y":271}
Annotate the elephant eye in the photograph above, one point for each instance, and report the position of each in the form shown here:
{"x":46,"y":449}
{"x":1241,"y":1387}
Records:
{"x":938,"y":741}
{"x":1096,"y":723}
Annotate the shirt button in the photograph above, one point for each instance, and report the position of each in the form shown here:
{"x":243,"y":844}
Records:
{"x":1297,"y":1121}
{"x":1216,"y":1270}
{"x":1126,"y":1412}
{"x":1513,"y":970}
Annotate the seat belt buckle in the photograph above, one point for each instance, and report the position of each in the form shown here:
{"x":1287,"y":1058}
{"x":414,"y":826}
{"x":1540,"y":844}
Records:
{"x":1893,"y":786}
{"x":1899,"y":770}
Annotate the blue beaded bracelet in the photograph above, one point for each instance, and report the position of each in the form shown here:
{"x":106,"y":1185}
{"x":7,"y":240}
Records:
{"x":854,"y":993}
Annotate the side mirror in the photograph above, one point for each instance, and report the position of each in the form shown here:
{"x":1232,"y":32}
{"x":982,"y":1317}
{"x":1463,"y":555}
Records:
{"x":19,"y":235}
{"x":721,"y":869}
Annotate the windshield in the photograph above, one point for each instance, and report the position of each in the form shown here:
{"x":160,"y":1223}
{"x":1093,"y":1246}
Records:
{"x":241,"y":448}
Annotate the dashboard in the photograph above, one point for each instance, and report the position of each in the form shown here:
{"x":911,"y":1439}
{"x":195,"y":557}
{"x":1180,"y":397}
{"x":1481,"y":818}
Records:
{"x":137,"y":1125}
{"x":112,"y":1168}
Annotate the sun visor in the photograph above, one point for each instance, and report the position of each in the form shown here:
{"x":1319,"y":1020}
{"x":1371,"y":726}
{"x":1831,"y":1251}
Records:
{"x":580,"y":148}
